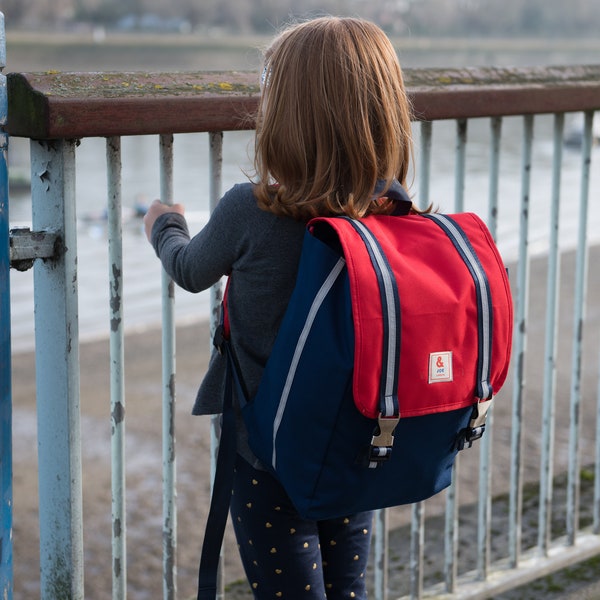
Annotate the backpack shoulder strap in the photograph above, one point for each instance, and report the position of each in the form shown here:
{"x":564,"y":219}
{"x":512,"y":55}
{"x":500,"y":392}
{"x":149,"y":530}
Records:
{"x":221,"y":496}
{"x":223,"y":480}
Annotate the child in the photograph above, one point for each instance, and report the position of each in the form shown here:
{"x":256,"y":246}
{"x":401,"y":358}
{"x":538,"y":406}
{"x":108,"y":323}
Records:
{"x":333,"y":126}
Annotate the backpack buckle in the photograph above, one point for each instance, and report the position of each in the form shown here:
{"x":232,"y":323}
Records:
{"x":468,"y":435}
{"x":476,"y":426}
{"x":382,"y":441}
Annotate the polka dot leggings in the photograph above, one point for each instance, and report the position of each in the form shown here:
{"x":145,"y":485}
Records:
{"x":286,"y":556}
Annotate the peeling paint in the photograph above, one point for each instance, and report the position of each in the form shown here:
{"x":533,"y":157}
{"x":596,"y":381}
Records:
{"x":118,"y":413}
{"x":117,"y":567}
{"x":115,"y":303}
{"x":172,"y":386}
{"x":117,"y":530}
{"x":169,"y":557}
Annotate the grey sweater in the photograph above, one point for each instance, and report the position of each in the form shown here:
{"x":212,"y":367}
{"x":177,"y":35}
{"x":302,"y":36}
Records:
{"x":260,"y":252}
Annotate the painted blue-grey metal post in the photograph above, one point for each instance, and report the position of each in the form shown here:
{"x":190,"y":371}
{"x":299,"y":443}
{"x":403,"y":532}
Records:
{"x":578,"y":318}
{"x":451,"y":523}
{"x":424,"y":173}
{"x":57,"y":372}
{"x":6,"y":514}
{"x":215,"y":154}
{"x":417,"y":530}
{"x":380,"y":575}
{"x":519,"y":348}
{"x":496,"y":138}
{"x":215,"y":141}
{"x":417,"y":549}
{"x":484,"y":506}
{"x":551,"y":346}
{"x":596,"y":505}
{"x":117,"y":369}
{"x":168,"y":381}
{"x":461,"y":160}
{"x":451,"y":531}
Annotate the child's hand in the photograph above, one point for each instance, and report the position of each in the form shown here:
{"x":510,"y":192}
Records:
{"x":156,"y":209}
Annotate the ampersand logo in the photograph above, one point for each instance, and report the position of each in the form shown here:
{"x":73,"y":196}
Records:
{"x":440,"y":367}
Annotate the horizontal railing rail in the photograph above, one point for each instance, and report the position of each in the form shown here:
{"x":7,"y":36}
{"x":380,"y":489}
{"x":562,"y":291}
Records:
{"x":56,"y":110}
{"x":76,"y":105}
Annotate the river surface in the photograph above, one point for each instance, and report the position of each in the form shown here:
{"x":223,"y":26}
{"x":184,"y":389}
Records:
{"x":141,"y":174}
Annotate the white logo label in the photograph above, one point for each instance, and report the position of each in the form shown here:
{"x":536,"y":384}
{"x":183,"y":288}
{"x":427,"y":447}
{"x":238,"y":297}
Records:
{"x":440,"y":367}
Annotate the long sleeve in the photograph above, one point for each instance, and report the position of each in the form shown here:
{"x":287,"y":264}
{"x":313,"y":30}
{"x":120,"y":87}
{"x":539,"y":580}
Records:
{"x":197,"y":263}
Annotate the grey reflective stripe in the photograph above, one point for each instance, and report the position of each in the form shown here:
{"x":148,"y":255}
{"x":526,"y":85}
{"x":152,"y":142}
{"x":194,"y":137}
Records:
{"x":312,"y":313}
{"x":392,"y":318}
{"x":485,"y":318}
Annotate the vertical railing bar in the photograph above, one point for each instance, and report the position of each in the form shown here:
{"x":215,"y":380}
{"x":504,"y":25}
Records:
{"x":215,"y":193}
{"x":596,"y":504}
{"x":461,"y":159}
{"x":117,"y":369}
{"x":451,"y":524}
{"x":6,"y":486}
{"x":496,"y":138}
{"x":168,"y":381}
{"x":417,"y":550}
{"x":519,"y":350}
{"x":417,"y":530}
{"x":215,"y":158}
{"x":551,"y":346}
{"x":484,"y":503}
{"x":577,"y":350}
{"x":57,"y":372}
{"x":425,"y":163}
{"x":484,"y":506}
{"x":381,"y":564}
{"x":451,"y":531}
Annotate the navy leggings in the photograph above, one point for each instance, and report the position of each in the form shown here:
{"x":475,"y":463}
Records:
{"x":286,"y":556}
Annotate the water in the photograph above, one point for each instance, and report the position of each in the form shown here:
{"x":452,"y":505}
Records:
{"x":140,"y":185}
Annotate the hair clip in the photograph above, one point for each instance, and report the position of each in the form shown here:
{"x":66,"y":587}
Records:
{"x":265,"y":76}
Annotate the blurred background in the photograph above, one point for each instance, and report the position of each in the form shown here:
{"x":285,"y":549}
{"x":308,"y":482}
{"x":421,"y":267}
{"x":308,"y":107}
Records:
{"x":416,"y":17}
{"x":120,"y":34}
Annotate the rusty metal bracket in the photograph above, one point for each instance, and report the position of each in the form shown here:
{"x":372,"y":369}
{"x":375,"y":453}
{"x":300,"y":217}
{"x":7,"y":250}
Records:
{"x":27,"y":245}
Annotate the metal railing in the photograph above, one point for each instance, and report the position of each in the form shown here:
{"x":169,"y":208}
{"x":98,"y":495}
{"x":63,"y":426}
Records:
{"x":6,"y":492}
{"x":56,"y":110}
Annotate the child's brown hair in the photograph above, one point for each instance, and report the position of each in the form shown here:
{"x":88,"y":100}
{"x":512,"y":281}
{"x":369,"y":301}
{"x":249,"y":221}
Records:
{"x":333,"y":119}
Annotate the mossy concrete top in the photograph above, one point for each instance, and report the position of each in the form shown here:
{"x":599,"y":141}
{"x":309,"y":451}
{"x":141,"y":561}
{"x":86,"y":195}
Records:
{"x":54,"y":105}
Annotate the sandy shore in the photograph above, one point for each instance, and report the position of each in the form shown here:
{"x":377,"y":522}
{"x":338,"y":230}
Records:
{"x":144,"y":495}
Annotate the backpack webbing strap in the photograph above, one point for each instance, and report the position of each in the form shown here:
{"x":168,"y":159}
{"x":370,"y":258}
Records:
{"x":484,"y":300}
{"x":483,"y":294}
{"x":317,"y":302}
{"x":390,"y":307}
{"x":389,"y":411}
{"x":221,"y":494}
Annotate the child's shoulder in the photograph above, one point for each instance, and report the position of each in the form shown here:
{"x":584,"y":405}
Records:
{"x":240,"y":197}
{"x":240,"y":201}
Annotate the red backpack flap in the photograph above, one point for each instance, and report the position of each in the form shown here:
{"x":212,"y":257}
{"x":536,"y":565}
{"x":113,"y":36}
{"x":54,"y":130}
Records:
{"x":435,"y":335}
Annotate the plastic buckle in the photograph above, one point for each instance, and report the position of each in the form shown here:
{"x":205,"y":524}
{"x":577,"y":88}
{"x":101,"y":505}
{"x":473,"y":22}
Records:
{"x":469,"y":435}
{"x":475,"y":433}
{"x":382,"y":442}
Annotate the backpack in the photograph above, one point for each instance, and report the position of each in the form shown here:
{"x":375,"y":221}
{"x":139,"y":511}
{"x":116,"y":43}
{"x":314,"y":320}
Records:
{"x":395,"y":340}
